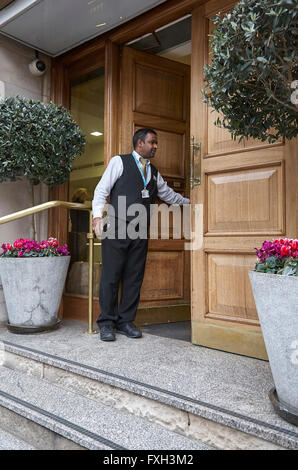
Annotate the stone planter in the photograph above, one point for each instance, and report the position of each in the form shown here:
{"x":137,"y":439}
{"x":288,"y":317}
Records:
{"x":33,"y":289}
{"x":276,"y":298}
{"x":3,"y":311}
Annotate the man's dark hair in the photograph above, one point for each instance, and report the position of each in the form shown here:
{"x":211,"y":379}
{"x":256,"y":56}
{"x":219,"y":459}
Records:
{"x":141,"y":134}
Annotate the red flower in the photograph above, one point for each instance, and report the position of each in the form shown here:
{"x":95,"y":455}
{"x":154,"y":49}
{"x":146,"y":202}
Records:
{"x":285,"y":251}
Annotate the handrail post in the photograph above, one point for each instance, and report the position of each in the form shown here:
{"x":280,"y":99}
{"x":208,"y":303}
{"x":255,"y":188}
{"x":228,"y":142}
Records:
{"x":90,"y":237}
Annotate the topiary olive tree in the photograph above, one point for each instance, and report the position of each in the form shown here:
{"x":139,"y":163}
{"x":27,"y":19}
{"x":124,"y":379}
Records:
{"x":253,"y":78}
{"x":37,"y":140}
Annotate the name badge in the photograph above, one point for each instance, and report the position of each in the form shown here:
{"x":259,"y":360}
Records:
{"x":145,"y":193}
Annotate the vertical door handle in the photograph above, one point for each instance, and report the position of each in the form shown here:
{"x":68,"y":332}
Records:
{"x":195,"y":162}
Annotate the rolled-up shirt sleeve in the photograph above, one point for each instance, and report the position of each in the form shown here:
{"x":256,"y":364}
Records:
{"x":167,"y":194}
{"x":102,"y":191}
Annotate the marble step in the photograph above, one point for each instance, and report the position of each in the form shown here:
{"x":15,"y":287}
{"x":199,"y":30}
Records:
{"x":79,"y":420}
{"x":10,"y":442}
{"x":203,"y":422}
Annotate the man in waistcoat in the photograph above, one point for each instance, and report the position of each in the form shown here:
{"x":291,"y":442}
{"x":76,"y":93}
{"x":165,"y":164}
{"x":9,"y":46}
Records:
{"x":134,"y":178}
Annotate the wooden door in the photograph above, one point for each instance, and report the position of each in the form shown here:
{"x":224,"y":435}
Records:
{"x":249,"y":194}
{"x":155,"y":94}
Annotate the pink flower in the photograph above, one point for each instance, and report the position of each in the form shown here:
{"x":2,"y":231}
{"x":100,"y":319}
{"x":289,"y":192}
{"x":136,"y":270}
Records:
{"x":32,"y":247}
{"x":53,"y":242}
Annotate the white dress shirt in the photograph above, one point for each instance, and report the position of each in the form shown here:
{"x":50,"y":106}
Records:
{"x":113,"y":172}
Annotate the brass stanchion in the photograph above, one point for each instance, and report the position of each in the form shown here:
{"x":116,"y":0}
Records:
{"x":90,"y":237}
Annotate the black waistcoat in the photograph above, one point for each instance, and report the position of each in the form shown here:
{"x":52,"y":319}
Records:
{"x":131,"y":184}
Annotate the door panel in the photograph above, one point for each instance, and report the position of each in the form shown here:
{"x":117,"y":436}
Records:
{"x":155,"y":94}
{"x":229,"y":295}
{"x":164,"y":276}
{"x":170,"y":159}
{"x":166,"y":97}
{"x":246,"y":194}
{"x":233,"y":200}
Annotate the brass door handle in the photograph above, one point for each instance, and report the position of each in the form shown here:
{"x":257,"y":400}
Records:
{"x":195,"y":162}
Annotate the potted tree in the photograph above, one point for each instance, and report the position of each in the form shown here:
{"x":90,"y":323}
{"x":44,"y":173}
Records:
{"x":252,"y":83}
{"x":252,"y":80}
{"x":38,"y":142}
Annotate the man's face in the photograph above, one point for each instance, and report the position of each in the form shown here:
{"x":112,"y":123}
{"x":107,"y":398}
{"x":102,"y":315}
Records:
{"x":148,"y":148}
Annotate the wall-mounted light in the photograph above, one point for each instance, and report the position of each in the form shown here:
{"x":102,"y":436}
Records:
{"x":96,"y":134}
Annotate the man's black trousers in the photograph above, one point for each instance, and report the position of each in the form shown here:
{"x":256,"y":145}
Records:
{"x":122,"y":260}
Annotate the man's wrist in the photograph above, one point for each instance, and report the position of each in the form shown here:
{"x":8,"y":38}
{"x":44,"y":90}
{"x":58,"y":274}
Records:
{"x":97,"y":214}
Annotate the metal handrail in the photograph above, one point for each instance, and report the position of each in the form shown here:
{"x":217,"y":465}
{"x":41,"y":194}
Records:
{"x":68,"y":205}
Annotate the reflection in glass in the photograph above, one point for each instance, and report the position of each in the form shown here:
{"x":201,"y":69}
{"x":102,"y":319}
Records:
{"x":87,"y":108}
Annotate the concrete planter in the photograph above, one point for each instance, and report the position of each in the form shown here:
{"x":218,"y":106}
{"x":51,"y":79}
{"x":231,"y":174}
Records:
{"x":276,"y":299}
{"x":33,"y":289}
{"x":3,"y":311}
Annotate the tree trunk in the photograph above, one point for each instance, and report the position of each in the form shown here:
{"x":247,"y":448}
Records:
{"x":33,"y":231}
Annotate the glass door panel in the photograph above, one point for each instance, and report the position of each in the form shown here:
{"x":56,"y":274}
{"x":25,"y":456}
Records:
{"x":87,"y":108}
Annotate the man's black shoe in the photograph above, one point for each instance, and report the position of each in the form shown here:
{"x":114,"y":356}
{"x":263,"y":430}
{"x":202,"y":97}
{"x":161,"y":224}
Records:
{"x":129,"y":330}
{"x":107,"y":333}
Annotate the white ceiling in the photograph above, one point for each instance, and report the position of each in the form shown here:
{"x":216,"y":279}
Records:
{"x":55,"y":26}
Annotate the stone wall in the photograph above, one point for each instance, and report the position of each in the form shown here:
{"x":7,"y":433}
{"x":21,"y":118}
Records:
{"x":15,"y":79}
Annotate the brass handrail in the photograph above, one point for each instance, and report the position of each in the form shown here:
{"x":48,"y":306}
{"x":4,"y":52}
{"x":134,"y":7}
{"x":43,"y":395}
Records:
{"x":68,"y":205}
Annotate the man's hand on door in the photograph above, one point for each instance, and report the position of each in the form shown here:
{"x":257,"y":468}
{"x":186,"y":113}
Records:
{"x":97,"y":225}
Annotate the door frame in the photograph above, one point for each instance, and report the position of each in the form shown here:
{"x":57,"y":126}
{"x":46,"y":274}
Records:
{"x":107,"y":48}
{"x":105,"y":51}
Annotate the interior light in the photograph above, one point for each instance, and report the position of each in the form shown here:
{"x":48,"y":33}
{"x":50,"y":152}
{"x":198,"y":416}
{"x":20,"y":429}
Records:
{"x":96,"y":134}
{"x":101,"y":24}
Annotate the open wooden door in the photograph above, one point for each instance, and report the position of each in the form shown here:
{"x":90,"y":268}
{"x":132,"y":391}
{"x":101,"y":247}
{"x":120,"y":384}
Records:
{"x":249,"y":194}
{"x":155,"y":94}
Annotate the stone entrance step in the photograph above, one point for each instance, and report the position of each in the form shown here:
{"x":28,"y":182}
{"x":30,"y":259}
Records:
{"x":55,"y":418}
{"x":10,"y":442}
{"x":208,"y":396}
{"x":193,"y":419}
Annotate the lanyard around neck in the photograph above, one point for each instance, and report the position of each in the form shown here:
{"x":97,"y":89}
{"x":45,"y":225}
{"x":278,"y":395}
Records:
{"x":140,"y":169}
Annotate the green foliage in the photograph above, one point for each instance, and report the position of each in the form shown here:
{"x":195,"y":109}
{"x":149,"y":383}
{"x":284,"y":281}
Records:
{"x":37,"y":140}
{"x":273,"y":265}
{"x":255,"y":64}
{"x":290,"y":267}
